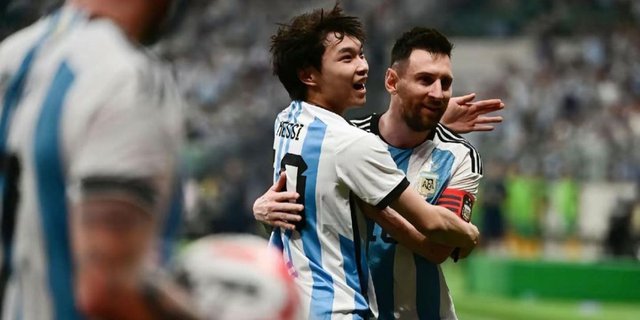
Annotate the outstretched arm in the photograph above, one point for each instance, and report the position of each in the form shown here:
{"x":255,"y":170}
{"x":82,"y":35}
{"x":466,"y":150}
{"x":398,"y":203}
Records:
{"x":464,"y":116}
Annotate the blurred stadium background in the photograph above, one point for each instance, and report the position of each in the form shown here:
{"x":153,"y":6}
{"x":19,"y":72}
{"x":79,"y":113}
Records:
{"x":560,"y":202}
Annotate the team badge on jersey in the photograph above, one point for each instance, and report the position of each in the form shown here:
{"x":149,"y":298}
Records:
{"x":427,"y":183}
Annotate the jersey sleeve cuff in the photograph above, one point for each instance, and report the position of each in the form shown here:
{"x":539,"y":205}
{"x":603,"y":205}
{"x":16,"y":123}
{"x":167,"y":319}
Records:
{"x":394,"y":194}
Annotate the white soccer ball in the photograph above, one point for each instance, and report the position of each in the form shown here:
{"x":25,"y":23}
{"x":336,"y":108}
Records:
{"x":238,"y":277}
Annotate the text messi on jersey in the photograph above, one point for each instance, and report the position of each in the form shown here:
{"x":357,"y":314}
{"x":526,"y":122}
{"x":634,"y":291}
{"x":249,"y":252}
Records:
{"x":289,"y":130}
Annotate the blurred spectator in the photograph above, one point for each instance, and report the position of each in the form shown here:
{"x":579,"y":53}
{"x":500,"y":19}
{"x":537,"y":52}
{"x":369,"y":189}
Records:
{"x":492,"y":203}
{"x":623,"y":238}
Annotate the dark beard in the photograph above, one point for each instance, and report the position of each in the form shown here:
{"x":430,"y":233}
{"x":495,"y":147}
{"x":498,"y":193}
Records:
{"x":416,"y":124}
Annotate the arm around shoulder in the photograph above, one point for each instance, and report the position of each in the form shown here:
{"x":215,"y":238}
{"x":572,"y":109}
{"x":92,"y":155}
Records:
{"x":406,"y":234}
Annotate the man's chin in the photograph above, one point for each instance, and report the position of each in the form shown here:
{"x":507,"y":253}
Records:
{"x":359,"y":102}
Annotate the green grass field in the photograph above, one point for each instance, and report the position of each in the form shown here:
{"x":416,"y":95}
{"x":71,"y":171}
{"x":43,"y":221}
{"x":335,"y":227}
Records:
{"x":471,"y":306}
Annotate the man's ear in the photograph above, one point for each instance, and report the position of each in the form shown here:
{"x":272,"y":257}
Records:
{"x":308,"y":76}
{"x":391,"y":81}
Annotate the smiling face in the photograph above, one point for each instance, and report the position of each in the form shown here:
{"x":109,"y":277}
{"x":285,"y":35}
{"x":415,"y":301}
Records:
{"x":421,"y":87}
{"x":340,"y":83}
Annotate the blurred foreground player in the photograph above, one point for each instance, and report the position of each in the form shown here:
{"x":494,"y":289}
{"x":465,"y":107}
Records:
{"x":237,"y":277}
{"x":91,"y":127}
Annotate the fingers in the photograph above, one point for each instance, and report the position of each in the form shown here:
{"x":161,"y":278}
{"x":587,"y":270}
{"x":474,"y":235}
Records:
{"x":284,"y":207}
{"x":283,"y":196}
{"x":465,"y":99}
{"x":281,"y":183}
{"x":484,"y":123}
{"x":483,"y":128}
{"x":490,"y":102}
{"x":485,"y":119}
{"x":487,"y":106}
{"x":284,"y":216}
{"x":283,"y":225}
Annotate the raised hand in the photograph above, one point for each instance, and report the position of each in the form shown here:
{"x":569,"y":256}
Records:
{"x":463,"y":115}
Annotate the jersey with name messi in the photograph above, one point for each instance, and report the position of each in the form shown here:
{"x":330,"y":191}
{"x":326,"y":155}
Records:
{"x":445,"y":170}
{"x":329,"y":162}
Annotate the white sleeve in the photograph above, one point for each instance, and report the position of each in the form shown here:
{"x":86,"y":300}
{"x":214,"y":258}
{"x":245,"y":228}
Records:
{"x":464,"y":178}
{"x":366,"y":167}
{"x":130,"y":147}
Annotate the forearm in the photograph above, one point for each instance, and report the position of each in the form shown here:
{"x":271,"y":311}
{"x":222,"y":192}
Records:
{"x":116,"y":296}
{"x":455,"y":231}
{"x":439,"y":224}
{"x":111,"y":242}
{"x":407,"y":235}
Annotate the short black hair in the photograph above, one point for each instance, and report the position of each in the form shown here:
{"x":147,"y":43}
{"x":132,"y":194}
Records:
{"x":426,"y":39}
{"x":301,"y":44}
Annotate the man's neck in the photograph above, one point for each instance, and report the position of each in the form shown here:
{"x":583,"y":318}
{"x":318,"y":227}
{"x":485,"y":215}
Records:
{"x":327,"y":107}
{"x":318,"y":100}
{"x":395,"y":131}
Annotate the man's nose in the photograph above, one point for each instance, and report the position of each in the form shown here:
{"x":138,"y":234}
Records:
{"x":363,"y":67}
{"x":436,"y":90}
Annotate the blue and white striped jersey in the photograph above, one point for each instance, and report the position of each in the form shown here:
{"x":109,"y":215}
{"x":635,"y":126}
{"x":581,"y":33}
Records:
{"x":407,"y":285}
{"x":86,"y":113}
{"x":328,"y":162}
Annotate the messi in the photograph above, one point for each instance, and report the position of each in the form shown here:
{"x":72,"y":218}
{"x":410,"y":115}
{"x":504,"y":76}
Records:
{"x":289,"y":130}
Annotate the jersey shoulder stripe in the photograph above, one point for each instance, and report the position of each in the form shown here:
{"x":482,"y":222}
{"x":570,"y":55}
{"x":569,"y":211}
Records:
{"x":446,"y":135}
{"x":365,"y":123}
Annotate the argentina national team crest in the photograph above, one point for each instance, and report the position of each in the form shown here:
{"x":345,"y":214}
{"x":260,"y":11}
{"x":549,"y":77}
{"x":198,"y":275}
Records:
{"x":427,"y":183}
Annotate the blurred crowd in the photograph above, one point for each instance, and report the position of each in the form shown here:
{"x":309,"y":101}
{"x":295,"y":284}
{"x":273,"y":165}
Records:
{"x":573,"y":118}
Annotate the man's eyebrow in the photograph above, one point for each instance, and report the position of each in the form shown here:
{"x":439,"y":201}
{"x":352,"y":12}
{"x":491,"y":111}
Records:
{"x":350,"y":50}
{"x":427,"y":73}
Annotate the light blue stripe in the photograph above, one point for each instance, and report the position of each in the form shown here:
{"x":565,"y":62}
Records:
{"x":287,"y":233}
{"x":281,"y":151}
{"x":427,"y":275}
{"x":294,"y":113}
{"x":350,"y":267}
{"x":276,"y":239}
{"x":10,"y":102}
{"x":322,"y":293}
{"x":382,"y":254}
{"x":173,"y":220}
{"x":51,"y":195}
{"x":16,"y":85}
{"x":442,"y":163}
{"x":381,"y":262}
{"x":277,"y":157}
{"x":401,"y":157}
{"x":427,"y":289}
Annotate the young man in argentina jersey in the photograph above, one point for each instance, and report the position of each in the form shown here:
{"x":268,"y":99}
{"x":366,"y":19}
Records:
{"x":318,"y":58}
{"x":90,"y":131}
